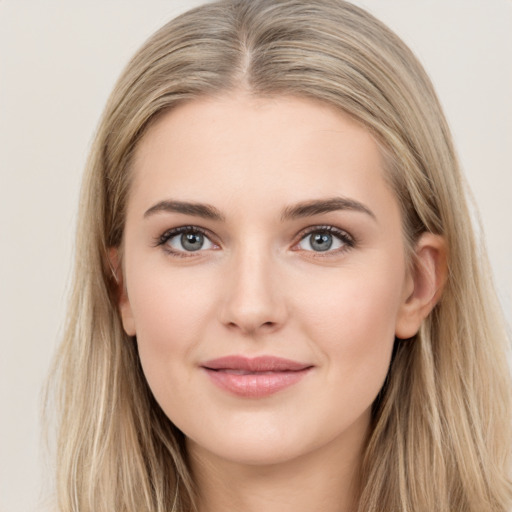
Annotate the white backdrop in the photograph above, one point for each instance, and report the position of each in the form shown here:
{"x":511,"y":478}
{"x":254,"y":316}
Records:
{"x":58,"y":62}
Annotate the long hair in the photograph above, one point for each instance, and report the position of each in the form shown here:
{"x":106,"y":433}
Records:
{"x":441,"y":425}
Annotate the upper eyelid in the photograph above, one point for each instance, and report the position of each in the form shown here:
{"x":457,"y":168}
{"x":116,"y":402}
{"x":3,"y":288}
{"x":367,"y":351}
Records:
{"x":172,"y":232}
{"x":183,"y":229}
{"x":327,"y":227}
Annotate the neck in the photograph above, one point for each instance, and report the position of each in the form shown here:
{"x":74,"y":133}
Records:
{"x":325,"y":479}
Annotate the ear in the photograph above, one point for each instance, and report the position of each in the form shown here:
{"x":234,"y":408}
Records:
{"x":122,"y":296}
{"x":424,"y":284}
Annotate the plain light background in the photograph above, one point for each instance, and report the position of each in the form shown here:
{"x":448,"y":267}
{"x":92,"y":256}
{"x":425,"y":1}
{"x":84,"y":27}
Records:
{"x":58,"y":62}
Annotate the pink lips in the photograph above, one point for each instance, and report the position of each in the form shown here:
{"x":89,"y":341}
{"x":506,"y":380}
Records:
{"x":257,"y":377}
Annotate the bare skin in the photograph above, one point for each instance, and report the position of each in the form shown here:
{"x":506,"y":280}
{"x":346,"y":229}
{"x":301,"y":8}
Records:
{"x":327,"y":478}
{"x":265,"y":228}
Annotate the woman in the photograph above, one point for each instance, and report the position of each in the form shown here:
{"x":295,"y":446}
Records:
{"x":278,"y":300}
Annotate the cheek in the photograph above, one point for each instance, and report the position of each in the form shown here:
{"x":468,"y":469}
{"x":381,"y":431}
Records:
{"x":168,"y":303}
{"x":352,"y":322}
{"x":170,"y":312}
{"x":353,"y":301}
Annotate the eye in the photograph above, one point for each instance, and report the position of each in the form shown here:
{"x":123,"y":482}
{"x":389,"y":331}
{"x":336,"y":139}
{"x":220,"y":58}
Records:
{"x":186,"y":239}
{"x":325,"y":239}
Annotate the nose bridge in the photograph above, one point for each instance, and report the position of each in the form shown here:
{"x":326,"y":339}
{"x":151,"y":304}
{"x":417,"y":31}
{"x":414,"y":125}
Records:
{"x":253,"y":299}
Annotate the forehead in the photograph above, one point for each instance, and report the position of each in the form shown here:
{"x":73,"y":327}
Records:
{"x":240,"y":146}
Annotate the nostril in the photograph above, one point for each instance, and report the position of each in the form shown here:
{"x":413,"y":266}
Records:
{"x":251,"y":328}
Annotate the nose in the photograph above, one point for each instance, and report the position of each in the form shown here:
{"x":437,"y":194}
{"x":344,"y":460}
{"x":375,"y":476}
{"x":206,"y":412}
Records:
{"x":253,"y":296}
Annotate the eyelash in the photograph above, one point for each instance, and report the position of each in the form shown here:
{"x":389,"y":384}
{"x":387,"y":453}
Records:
{"x":347,"y":240}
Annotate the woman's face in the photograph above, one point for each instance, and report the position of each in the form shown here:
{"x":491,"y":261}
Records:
{"x":265,"y":277}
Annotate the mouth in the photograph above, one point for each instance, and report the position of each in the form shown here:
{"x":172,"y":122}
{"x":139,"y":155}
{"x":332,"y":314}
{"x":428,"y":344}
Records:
{"x":255,"y":377}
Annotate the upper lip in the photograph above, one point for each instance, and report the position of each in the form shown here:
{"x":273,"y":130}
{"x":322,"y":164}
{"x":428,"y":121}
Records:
{"x":255,"y":364}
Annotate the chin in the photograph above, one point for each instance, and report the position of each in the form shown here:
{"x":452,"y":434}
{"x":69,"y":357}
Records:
{"x":249,"y":451}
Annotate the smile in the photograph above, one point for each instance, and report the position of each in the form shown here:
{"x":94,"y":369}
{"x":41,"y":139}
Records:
{"x":257,"y":377}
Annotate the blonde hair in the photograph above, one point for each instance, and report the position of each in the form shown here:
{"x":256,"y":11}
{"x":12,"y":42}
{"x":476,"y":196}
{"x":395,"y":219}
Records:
{"x":441,"y":436}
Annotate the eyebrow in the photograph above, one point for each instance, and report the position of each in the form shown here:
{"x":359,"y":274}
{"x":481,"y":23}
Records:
{"x":299,"y":210}
{"x":196,"y":209}
{"x":316,"y":207}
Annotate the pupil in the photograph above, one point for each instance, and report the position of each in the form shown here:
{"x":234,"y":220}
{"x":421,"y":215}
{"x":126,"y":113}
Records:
{"x":321,"y":242}
{"x":192,"y":241}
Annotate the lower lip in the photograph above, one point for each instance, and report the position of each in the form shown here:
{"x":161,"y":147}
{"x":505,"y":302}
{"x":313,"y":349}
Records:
{"x":255,"y":385}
